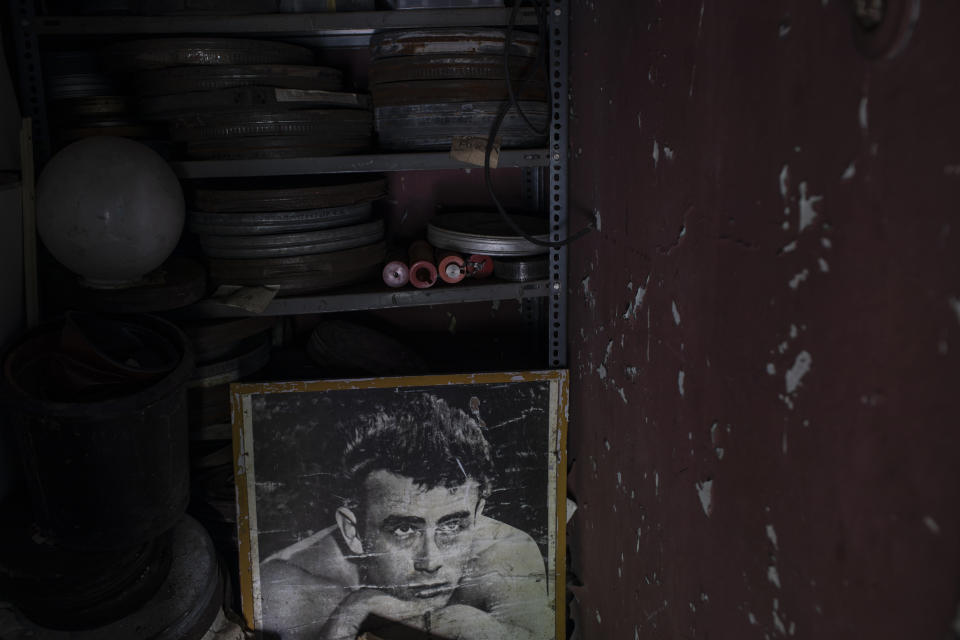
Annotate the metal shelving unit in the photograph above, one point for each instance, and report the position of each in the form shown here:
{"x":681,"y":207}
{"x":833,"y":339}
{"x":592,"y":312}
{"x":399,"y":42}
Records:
{"x":544,"y":170}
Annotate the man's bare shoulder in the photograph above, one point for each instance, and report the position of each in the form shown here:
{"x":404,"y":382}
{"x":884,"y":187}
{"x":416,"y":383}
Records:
{"x":319,"y":555}
{"x":505,"y":549}
{"x":303,"y":584}
{"x":507,"y":578}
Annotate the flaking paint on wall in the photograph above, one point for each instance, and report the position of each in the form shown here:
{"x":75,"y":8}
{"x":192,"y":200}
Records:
{"x":772,"y":535}
{"x":807,"y":213}
{"x":801,"y":366}
{"x":705,"y":494}
{"x":798,"y":278}
{"x":955,"y":305}
{"x":634,"y":306}
{"x":863,"y":310}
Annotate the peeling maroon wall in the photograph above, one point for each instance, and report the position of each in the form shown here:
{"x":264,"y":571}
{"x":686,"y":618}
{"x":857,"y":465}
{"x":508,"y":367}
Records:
{"x":765,"y":329}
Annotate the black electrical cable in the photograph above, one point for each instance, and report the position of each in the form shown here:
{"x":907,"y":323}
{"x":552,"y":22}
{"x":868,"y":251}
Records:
{"x":539,"y":63}
{"x":502,"y":113}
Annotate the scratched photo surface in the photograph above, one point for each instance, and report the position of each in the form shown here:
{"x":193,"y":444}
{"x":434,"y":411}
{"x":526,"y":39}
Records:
{"x":298,"y":443}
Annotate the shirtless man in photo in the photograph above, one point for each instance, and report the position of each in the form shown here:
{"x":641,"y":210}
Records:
{"x":411,"y":543}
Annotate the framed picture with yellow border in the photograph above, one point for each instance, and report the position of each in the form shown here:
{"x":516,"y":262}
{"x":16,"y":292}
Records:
{"x":406,"y":507}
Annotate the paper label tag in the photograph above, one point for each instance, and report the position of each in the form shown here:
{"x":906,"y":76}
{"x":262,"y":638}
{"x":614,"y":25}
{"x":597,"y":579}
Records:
{"x":319,"y":95}
{"x":473,"y":150}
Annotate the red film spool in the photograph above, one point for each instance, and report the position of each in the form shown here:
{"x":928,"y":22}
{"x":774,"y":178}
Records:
{"x":452,"y":269}
{"x":423,"y":271}
{"x":479,"y":266}
{"x":423,"y":274}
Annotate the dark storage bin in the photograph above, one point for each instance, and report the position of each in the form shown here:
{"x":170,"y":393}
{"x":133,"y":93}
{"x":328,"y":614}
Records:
{"x":104,"y":473}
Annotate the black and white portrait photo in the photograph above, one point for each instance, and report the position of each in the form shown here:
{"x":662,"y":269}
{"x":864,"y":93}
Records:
{"x":402,"y":506}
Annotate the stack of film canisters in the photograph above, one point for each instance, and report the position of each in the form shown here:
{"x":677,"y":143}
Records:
{"x":84,"y":99}
{"x":432,"y":85}
{"x":239,"y":98}
{"x":297,"y":234}
{"x":206,"y":7}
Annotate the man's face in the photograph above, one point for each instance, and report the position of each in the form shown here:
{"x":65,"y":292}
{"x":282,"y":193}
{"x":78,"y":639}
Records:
{"x":417,"y":542}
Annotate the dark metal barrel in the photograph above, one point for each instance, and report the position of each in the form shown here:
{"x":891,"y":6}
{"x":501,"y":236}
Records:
{"x":110,"y":471}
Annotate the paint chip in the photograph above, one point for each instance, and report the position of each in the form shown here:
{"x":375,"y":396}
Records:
{"x":637,"y":303}
{"x":825,"y":242}
{"x":824,"y":267}
{"x":932,"y":525}
{"x":773,"y":576}
{"x":807,"y":212}
{"x":705,"y":493}
{"x":668,"y":152}
{"x":784,"y":178}
{"x":639,"y":121}
{"x":752,"y":618}
{"x":597,"y":220}
{"x":656,"y":154}
{"x":778,"y":623}
{"x":602,"y":367}
{"x":798,"y":278}
{"x":801,"y":365}
{"x":680,"y":376}
{"x":771,"y":370}
{"x":955,"y":305}
{"x":787,"y":248}
{"x":676,"y":313}
{"x":587,"y":294}
{"x":772,"y":535}
{"x":849,"y":172}
{"x":599,"y":619}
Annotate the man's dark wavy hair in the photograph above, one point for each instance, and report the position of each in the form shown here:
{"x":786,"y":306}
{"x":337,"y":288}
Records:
{"x":418,"y":436}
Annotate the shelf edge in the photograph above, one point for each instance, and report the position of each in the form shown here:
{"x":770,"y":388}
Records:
{"x":399,"y":298}
{"x":372,"y":163}
{"x":276,"y":24}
